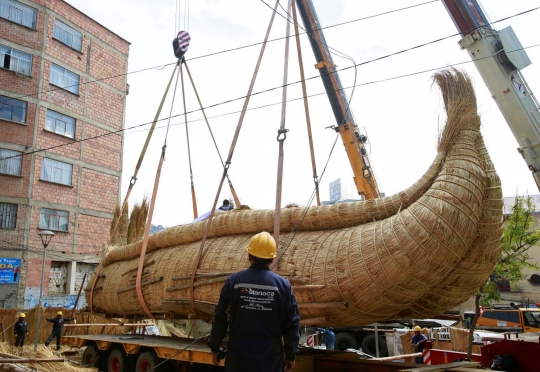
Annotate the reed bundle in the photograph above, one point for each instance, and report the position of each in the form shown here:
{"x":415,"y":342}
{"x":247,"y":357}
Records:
{"x":413,"y":254}
{"x":42,"y":353}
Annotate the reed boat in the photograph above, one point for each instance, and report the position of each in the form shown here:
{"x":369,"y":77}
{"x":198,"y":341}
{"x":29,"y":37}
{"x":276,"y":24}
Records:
{"x":414,"y":254}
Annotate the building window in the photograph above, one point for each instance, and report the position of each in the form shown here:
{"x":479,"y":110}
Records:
{"x":8,"y":215}
{"x":58,"y":280}
{"x":67,"y":35}
{"x":18,"y":13}
{"x":51,"y":219}
{"x":502,"y":284}
{"x":61,"y":124}
{"x":10,"y":162}
{"x":56,"y":171}
{"x":535,"y":279}
{"x":12,"y":109}
{"x":15,"y":60}
{"x":64,"y":79}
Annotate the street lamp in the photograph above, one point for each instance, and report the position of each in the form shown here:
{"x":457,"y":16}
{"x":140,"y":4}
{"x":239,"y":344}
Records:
{"x":46,"y":237}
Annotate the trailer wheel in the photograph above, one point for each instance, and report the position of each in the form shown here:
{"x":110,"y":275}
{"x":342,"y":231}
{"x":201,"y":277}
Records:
{"x":116,"y":361}
{"x":345,"y":341}
{"x":90,"y":357}
{"x":368,"y":345}
{"x":147,"y":361}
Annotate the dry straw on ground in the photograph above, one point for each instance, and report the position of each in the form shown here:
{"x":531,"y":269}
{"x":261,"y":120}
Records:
{"x":413,"y":254}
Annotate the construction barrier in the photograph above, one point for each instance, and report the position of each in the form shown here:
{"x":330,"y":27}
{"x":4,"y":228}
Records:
{"x":435,"y":356}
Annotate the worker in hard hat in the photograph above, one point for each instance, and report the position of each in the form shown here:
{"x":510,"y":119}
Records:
{"x":418,"y":343}
{"x":21,"y":330}
{"x":58,"y":327}
{"x":264,"y":325}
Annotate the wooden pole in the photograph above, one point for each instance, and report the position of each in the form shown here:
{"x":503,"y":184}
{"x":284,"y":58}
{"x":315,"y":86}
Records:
{"x":32,"y":360}
{"x":398,"y":357}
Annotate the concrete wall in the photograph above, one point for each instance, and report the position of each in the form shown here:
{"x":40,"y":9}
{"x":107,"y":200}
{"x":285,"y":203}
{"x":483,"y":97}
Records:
{"x":98,"y":108}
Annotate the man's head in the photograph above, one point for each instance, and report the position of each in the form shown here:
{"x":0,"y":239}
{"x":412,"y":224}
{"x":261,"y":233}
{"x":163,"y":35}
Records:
{"x":59,"y":314}
{"x":226,"y":202}
{"x":262,"y":248}
{"x":22,"y":316}
{"x":417,"y":330}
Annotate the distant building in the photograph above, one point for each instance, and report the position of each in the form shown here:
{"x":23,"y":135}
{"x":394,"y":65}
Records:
{"x":56,"y":89}
{"x":339,"y":193}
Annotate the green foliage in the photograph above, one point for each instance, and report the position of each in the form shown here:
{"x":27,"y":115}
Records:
{"x":520,"y":234}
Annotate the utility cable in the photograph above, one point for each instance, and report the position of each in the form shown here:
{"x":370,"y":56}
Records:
{"x":160,"y":67}
{"x":265,"y":91}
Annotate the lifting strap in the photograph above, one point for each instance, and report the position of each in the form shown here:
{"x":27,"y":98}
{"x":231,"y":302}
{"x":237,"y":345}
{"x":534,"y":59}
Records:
{"x":281,"y":137}
{"x":134,"y":178}
{"x":148,"y":224}
{"x":229,"y":158}
{"x":233,"y":192}
{"x":193,"y":198}
{"x":306,"y":106}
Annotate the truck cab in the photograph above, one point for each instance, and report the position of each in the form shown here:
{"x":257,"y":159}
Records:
{"x":509,"y":319}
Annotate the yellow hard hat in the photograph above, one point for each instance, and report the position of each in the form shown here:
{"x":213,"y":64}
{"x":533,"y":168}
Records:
{"x":262,"y":245}
{"x":22,"y":315}
{"x":417,"y":328}
{"x":59,"y":313}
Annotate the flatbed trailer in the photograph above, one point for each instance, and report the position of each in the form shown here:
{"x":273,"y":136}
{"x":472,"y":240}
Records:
{"x":140,"y":353}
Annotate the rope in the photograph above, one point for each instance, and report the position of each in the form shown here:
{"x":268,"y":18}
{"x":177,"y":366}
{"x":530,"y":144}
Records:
{"x":233,"y":192}
{"x":282,"y":136}
{"x":306,"y":106}
{"x":229,"y":158}
{"x":193,"y":198}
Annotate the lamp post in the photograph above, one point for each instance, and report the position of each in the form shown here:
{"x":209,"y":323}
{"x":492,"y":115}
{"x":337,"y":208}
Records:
{"x":46,"y":237}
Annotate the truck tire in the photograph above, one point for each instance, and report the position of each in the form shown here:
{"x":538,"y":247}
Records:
{"x":345,"y":341}
{"x":147,"y":361}
{"x":117,"y":362}
{"x":90,"y":357}
{"x":369,"y":347}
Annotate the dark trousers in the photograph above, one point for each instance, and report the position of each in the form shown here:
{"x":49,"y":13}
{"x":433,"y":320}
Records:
{"x":19,"y":340}
{"x":238,"y":362}
{"x":419,"y":360}
{"x":58,"y":335}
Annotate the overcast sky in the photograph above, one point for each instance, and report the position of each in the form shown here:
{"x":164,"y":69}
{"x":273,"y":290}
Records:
{"x":402,"y":117}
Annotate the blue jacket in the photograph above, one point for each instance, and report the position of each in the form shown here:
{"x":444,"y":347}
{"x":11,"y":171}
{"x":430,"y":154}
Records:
{"x":329,"y":335}
{"x":263,"y":310}
{"x":58,"y":323}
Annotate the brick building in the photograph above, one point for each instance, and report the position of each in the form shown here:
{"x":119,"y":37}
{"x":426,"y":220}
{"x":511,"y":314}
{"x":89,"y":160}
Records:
{"x":56,"y":93}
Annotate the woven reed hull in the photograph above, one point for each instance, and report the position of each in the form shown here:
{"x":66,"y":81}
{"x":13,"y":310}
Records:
{"x":414,"y":254}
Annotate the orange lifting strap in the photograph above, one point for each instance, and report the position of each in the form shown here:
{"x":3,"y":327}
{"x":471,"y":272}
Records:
{"x":281,"y":137}
{"x":306,"y":106}
{"x":134,"y":177}
{"x":229,"y":158}
{"x":233,"y":192}
{"x":193,"y":198}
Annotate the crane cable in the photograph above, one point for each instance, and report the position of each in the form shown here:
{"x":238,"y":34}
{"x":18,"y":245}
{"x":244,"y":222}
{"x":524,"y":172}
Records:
{"x":133,"y":181}
{"x":281,"y":137}
{"x":229,"y":158}
{"x":233,"y":191}
{"x":193,"y":198}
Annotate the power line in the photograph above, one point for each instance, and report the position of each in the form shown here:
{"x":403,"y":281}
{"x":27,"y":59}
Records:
{"x":160,"y":67}
{"x":272,"y":89}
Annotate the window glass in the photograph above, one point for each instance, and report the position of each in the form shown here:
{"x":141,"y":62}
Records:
{"x":15,"y":60}
{"x":67,"y":35}
{"x":52,"y":219}
{"x":8,"y":215}
{"x":61,"y":124}
{"x":18,"y":13}
{"x":10,"y":162}
{"x":12,"y":109}
{"x":56,"y":171}
{"x":64,"y":78}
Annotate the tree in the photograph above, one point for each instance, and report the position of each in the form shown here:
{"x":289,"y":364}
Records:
{"x":520,"y":234}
